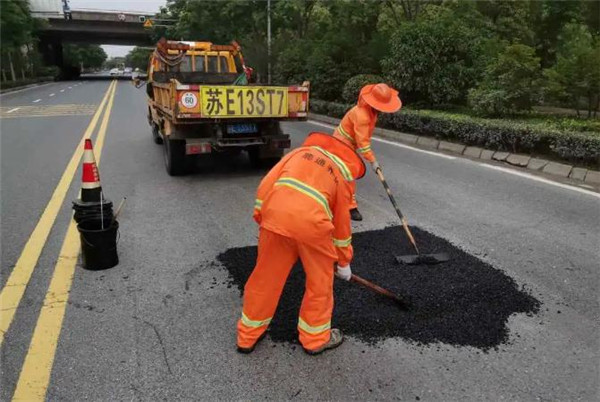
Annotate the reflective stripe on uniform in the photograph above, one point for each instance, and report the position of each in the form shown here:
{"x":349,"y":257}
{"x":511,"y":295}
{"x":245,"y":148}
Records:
{"x":258,"y":204}
{"x":364,"y":150}
{"x":313,"y":330}
{"x":254,"y":323}
{"x":307,"y":190}
{"x":345,"y":134}
{"x":342,"y":242}
{"x":340,"y":163}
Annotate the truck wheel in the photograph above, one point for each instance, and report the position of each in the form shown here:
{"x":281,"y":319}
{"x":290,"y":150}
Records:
{"x":270,"y":162}
{"x":254,"y":156}
{"x":156,"y":134}
{"x":174,"y":151}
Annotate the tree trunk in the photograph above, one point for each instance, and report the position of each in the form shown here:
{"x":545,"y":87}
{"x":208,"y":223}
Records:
{"x":12,"y":67}
{"x":3,"y":75}
{"x":23,"y":73}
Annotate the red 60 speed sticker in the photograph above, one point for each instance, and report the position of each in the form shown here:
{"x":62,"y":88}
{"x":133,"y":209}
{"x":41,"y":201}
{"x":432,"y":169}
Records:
{"x":189,"y":100}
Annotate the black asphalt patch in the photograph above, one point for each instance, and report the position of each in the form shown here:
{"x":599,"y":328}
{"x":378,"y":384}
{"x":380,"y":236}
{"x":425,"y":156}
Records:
{"x":463,"y":302}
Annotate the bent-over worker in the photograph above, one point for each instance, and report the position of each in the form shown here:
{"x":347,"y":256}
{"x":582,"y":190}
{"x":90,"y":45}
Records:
{"x":302,"y":207}
{"x":356,"y":128}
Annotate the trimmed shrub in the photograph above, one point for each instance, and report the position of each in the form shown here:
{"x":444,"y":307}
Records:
{"x":354,"y":85}
{"x":579,"y":147}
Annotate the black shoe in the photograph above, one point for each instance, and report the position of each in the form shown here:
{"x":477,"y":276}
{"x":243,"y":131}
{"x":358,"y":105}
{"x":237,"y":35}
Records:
{"x":355,"y":215}
{"x":251,"y":348}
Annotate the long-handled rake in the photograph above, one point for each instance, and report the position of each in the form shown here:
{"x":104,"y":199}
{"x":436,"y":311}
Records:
{"x":416,"y":258}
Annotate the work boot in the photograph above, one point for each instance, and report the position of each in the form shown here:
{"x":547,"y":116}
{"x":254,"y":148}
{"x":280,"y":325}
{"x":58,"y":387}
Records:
{"x":355,"y":215}
{"x":335,"y":340}
{"x":251,"y":348}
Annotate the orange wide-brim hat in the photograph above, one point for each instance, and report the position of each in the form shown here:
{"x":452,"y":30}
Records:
{"x":381,"y":97}
{"x":331,"y":144}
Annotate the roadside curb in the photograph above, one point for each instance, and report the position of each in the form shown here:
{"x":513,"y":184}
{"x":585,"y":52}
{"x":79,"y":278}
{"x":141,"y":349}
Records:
{"x":518,"y":160}
{"x":16,"y":89}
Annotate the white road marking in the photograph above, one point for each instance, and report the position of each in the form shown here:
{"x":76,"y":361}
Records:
{"x":500,"y":168}
{"x":62,"y":90}
{"x":70,"y":87}
{"x":396,"y":144}
{"x":36,"y":101}
{"x":540,"y":179}
{"x":13,"y":110}
{"x":51,"y":95}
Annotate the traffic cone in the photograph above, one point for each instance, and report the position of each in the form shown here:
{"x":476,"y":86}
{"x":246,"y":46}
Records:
{"x":90,"y":182}
{"x":92,"y":202}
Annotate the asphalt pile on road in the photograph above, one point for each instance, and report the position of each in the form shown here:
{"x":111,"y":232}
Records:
{"x":463,"y":302}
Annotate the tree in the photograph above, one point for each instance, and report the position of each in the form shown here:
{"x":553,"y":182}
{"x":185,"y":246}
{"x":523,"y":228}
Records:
{"x":511,"y":82}
{"x":138,"y":57}
{"x":86,"y":56}
{"x":433,"y":59}
{"x":576,"y":74}
{"x":15,"y":30}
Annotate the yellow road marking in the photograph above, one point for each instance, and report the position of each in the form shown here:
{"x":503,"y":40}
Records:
{"x":35,"y":374}
{"x":13,"y":290}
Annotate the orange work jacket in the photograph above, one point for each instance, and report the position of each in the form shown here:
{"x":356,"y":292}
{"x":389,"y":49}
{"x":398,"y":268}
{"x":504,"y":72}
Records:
{"x":356,"y":129}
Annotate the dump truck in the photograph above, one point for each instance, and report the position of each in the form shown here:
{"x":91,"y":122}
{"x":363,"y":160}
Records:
{"x":202,"y":100}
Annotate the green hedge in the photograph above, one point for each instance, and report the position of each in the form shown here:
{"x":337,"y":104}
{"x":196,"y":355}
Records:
{"x":579,"y":147}
{"x":22,"y":83}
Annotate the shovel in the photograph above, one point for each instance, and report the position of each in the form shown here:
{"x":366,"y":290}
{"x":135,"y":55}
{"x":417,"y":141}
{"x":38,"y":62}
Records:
{"x":379,"y":290}
{"x":418,"y":258}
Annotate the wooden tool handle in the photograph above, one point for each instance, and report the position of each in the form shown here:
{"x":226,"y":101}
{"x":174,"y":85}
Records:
{"x":375,"y":288}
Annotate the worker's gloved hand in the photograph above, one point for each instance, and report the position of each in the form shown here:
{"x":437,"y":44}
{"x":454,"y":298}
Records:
{"x":343,"y":272}
{"x":375,"y":166}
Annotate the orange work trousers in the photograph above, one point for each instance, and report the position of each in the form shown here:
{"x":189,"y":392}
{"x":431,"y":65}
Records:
{"x":353,"y":203}
{"x":276,"y":256}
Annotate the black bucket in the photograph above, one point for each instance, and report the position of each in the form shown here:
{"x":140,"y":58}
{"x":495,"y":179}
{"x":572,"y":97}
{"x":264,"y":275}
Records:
{"x":92,"y":210}
{"x":98,"y":246}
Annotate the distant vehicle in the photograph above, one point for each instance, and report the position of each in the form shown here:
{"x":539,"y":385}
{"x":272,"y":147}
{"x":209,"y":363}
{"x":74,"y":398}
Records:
{"x":115,"y":71}
{"x":128,"y":70}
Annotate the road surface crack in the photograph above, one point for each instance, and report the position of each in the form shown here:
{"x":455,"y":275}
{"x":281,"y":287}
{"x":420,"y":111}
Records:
{"x":162,"y":345}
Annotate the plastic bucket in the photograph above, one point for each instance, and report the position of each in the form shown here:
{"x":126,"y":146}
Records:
{"x":98,"y":246}
{"x":92,"y":210}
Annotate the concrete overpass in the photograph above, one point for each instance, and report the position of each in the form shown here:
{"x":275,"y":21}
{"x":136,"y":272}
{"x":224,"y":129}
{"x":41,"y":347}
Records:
{"x":106,"y":27}
{"x":98,"y":27}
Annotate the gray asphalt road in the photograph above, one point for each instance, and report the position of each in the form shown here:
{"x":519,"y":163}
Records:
{"x":156,"y":327}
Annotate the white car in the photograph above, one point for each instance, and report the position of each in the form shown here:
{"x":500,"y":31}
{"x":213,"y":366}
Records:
{"x":128,"y":70}
{"x":114,"y":71}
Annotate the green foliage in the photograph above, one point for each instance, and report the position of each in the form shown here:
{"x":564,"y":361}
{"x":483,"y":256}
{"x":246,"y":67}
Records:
{"x":138,"y":57}
{"x":353,"y":86}
{"x":15,"y":24}
{"x":510,"y":83}
{"x":432,"y":60}
{"x":576,"y":74}
{"x":88,"y":56}
{"x":498,"y":134}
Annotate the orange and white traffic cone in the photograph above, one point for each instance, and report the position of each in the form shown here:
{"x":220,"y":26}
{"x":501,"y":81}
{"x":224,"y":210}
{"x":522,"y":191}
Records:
{"x":91,"y":189}
{"x":92,"y":202}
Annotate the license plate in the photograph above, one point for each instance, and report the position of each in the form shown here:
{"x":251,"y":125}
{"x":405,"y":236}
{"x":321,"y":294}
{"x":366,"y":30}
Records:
{"x":242,"y":128}
{"x":236,"y":102}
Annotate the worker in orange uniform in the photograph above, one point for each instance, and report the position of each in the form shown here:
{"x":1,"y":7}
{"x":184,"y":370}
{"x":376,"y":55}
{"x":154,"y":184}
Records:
{"x":302,"y":208}
{"x":356,"y":128}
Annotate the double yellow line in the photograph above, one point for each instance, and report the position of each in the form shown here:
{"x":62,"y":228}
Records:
{"x":35,"y":374}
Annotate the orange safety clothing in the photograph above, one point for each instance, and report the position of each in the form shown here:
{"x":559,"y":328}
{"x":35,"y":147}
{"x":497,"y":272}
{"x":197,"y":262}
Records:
{"x":302,"y":207}
{"x":357,"y":126}
{"x":276,"y":256}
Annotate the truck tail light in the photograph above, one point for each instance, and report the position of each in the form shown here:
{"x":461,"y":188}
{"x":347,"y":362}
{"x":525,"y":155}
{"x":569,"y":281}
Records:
{"x":196,"y":149}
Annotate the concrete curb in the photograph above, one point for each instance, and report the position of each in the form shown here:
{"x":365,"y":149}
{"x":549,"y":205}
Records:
{"x":524,"y":161}
{"x":24,"y":87}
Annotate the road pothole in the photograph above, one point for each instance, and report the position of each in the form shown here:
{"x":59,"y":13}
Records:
{"x":463,"y":302}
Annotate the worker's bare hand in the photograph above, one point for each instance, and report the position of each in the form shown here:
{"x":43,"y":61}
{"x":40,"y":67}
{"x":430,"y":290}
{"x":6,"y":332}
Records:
{"x":343,"y":272}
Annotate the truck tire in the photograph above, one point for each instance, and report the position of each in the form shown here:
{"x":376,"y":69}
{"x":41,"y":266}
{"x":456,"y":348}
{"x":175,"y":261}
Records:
{"x":174,"y":151}
{"x":156,"y":134}
{"x":257,"y":162}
